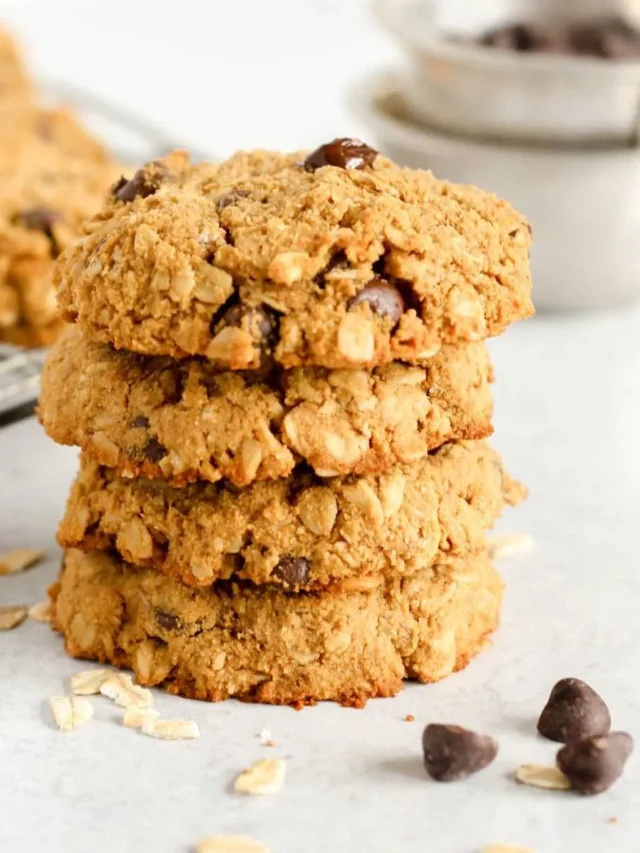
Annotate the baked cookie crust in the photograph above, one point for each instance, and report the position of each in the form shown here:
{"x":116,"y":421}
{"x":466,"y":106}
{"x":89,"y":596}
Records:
{"x":294,"y":258}
{"x":186,"y":420}
{"x":301,"y":532}
{"x":264,"y":645}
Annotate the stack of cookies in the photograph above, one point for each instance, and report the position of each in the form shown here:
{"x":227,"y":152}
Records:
{"x":53,"y":175}
{"x":278,"y":380}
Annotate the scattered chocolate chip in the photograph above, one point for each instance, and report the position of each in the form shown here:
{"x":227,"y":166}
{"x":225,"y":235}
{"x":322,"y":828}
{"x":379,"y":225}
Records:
{"x":344,"y":153}
{"x":292,"y":571}
{"x":452,"y":753}
{"x":144,"y":183}
{"x":154,"y":451}
{"x":140,"y":422}
{"x":574,"y":710}
{"x":231,"y":198}
{"x":593,"y":764}
{"x":384,"y":298}
{"x":167,"y":620}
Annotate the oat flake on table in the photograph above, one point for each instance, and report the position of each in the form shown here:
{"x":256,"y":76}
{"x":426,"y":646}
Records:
{"x":69,"y":712}
{"x":541,"y":776}
{"x":12,"y":615}
{"x":264,"y":777}
{"x":19,"y":559}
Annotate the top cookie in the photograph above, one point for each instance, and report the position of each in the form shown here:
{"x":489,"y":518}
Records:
{"x":337,"y":259}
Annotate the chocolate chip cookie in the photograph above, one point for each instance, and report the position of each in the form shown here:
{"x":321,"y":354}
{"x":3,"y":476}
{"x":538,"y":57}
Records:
{"x":337,"y":259}
{"x":262,"y":644}
{"x":53,"y":174}
{"x":183,"y":420}
{"x":15,"y":82}
{"x":299,"y":532}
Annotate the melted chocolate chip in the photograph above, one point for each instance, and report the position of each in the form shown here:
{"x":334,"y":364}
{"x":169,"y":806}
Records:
{"x":343,"y":153}
{"x":231,"y":198}
{"x":292,"y":571}
{"x":384,"y":298}
{"x":452,"y":753}
{"x":261,"y":323}
{"x":140,"y":422}
{"x":154,"y":451}
{"x":167,"y":620}
{"x":144,"y":183}
{"x":593,"y":764}
{"x":573,"y":711}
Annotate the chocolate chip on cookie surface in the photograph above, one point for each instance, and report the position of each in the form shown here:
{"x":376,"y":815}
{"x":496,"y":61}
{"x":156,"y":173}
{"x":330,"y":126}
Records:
{"x":336,"y":259}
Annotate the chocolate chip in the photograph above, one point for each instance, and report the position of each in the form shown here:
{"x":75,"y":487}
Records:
{"x":574,"y":710}
{"x":292,"y":571}
{"x":154,"y":451}
{"x":260,"y":322}
{"x":344,"y":153}
{"x":167,"y":620}
{"x":231,"y":198}
{"x":119,"y":184}
{"x":593,"y":764}
{"x":384,"y":298}
{"x":607,"y":37}
{"x":452,"y":753}
{"x":39,"y":219}
{"x":140,"y":422}
{"x":512,"y":37}
{"x":144,"y":183}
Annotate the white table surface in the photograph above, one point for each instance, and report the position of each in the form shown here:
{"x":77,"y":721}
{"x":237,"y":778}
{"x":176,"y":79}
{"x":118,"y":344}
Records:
{"x":568,"y":409}
{"x":568,"y":406}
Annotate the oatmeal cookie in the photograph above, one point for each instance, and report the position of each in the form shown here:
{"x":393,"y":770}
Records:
{"x":53,"y":175}
{"x":17,"y":96}
{"x":300,"y":532}
{"x":335,"y":259}
{"x":185,"y":420}
{"x":261,"y":644}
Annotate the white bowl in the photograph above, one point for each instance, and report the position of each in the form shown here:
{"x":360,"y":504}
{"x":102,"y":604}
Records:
{"x":584,"y":206}
{"x":467,"y":88}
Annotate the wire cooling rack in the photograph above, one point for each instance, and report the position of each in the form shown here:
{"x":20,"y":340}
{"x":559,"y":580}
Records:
{"x":131,"y":140}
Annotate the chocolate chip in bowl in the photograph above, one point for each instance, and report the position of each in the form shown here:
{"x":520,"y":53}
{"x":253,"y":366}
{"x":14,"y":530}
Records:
{"x":580,"y":263}
{"x":603,"y":37}
{"x":533,"y":75}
